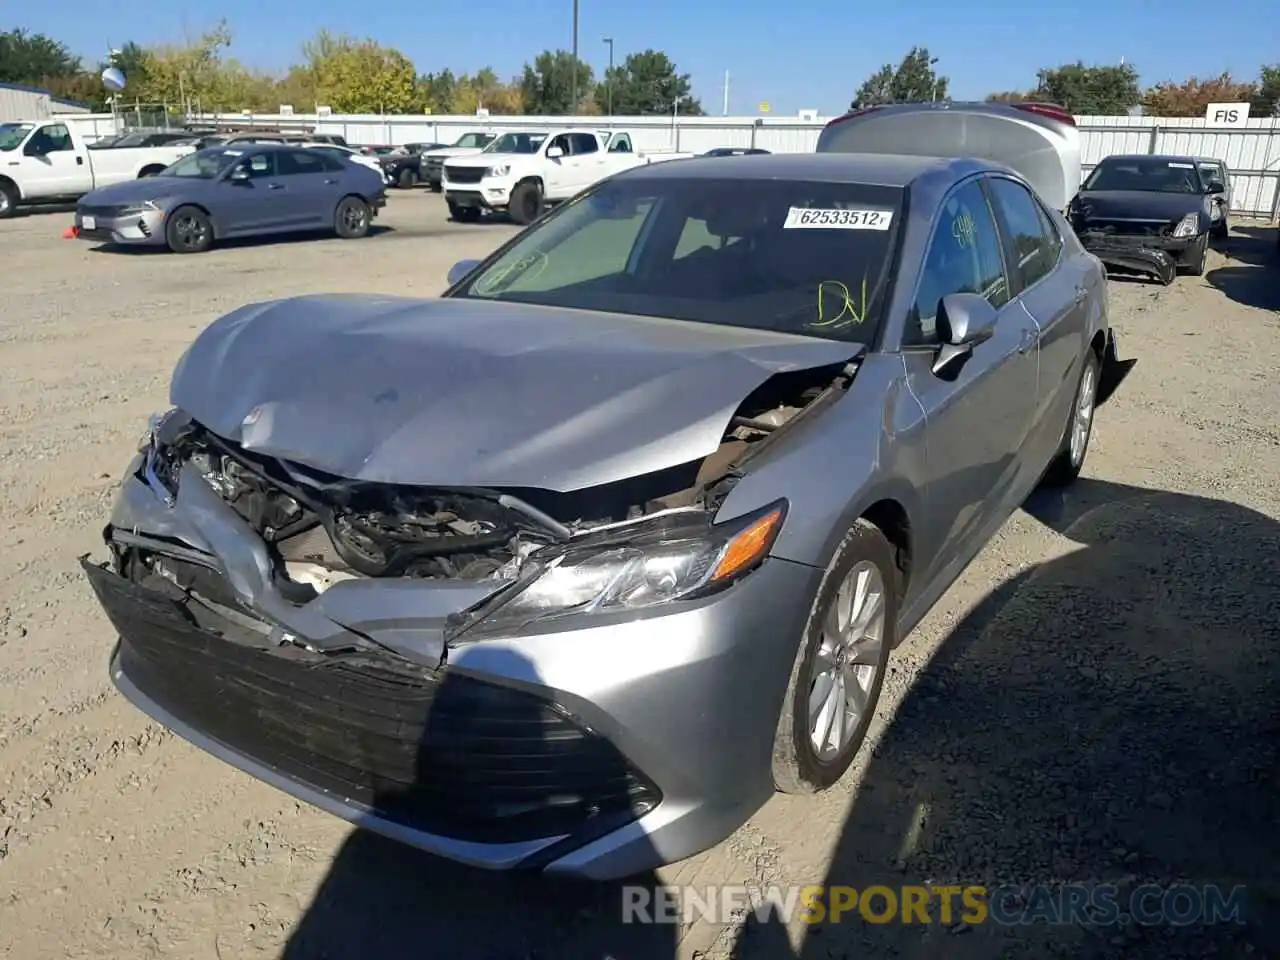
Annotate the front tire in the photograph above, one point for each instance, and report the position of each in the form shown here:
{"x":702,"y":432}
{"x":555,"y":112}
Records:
{"x":351,"y":220}
{"x":188,"y":230}
{"x":526,"y":203}
{"x":1197,"y":253}
{"x":8,"y":201}
{"x":1066,"y":465}
{"x":407,"y":179}
{"x":839,"y":669}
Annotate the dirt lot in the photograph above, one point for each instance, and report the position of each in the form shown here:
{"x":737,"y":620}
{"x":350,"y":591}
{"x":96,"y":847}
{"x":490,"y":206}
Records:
{"x":1097,"y":699}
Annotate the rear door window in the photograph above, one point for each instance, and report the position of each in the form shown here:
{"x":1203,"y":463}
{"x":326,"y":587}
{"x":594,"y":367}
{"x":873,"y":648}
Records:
{"x":1033,"y":250}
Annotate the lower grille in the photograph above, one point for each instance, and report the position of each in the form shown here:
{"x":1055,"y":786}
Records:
{"x":464,"y":174}
{"x":102,"y":213}
{"x":437,"y":752}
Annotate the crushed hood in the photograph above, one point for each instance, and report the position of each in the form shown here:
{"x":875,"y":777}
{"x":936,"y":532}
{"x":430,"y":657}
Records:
{"x":452,"y":392}
{"x":1136,"y":205}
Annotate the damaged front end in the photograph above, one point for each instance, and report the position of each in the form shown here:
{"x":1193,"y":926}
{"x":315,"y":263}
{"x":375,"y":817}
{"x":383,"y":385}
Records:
{"x":299,"y":625}
{"x":1131,"y":253}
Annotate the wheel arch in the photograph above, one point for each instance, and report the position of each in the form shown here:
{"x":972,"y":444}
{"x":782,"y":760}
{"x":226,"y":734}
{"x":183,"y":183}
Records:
{"x":12,"y":184}
{"x":149,"y":169}
{"x":196,"y":205}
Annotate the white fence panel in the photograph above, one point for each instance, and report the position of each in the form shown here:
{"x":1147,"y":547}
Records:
{"x":1252,"y":152}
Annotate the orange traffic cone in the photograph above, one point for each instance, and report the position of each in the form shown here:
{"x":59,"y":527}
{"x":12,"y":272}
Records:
{"x":70,"y":233}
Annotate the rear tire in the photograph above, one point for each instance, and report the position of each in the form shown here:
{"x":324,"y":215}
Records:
{"x":838,"y":671}
{"x":526,"y":203}
{"x":407,"y":179}
{"x":188,"y":230}
{"x":1222,"y":229}
{"x":1066,"y":465}
{"x":351,"y":220}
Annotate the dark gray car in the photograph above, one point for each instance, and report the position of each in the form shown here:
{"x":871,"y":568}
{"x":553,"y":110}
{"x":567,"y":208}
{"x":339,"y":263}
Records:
{"x":234,"y":191}
{"x":573,"y":567}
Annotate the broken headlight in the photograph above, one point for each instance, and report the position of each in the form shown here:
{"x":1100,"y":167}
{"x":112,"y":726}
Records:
{"x":1188,"y":226}
{"x":674,"y":562}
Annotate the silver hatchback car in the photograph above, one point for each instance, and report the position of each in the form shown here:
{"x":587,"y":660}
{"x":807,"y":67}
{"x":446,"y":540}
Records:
{"x":572,"y":568}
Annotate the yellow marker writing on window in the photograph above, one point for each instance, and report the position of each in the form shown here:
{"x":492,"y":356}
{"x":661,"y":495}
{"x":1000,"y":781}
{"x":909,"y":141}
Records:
{"x":836,"y":309}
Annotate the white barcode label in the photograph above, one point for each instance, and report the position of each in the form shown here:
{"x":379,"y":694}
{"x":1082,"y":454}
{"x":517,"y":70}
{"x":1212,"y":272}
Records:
{"x":814,"y":218}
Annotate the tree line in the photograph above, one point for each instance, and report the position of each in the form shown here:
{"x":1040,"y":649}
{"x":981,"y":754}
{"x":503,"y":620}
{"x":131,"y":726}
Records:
{"x":1083,"y":90}
{"x":346,"y":74}
{"x":352,"y":75}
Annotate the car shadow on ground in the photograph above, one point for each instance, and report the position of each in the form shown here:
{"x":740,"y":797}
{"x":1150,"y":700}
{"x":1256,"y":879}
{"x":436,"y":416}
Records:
{"x":1112,"y":716}
{"x":241,"y":243}
{"x":383,"y":900}
{"x":1253,"y":279}
{"x":43,"y":209}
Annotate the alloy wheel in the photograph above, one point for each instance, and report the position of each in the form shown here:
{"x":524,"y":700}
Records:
{"x":846,"y":664}
{"x":191,"y":232}
{"x":1082,"y":421}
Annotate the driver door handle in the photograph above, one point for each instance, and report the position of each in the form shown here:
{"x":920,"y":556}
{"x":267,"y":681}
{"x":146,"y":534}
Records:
{"x":331,"y":181}
{"x":1081,"y":293}
{"x":275,"y":186}
{"x":79,"y":161}
{"x":1027,"y":341}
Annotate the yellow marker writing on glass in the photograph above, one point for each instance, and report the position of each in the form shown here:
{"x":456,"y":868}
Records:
{"x":835,"y":296}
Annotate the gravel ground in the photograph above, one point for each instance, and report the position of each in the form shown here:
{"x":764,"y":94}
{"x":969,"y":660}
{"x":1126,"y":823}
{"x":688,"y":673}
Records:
{"x":1096,"y":700}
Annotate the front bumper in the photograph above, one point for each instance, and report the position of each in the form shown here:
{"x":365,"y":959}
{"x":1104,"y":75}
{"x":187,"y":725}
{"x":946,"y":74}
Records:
{"x":488,"y":194}
{"x":641,"y":741}
{"x":112,"y":226}
{"x":1156,"y":254}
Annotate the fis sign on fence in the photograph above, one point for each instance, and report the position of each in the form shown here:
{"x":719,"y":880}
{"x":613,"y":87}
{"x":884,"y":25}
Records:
{"x":1227,"y":114}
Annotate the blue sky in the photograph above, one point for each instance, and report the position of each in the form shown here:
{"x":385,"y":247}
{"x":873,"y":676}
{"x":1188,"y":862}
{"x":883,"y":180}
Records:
{"x":808,"y":54}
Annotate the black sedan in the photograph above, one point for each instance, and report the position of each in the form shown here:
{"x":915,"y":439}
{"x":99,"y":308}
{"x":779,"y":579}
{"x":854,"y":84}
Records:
{"x":1152,"y":214}
{"x":405,"y":169}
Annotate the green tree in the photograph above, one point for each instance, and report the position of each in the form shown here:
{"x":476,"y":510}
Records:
{"x":911,"y":81}
{"x":360,"y":76}
{"x":30,"y":58}
{"x":1090,"y":91}
{"x":438,"y":91}
{"x":646,"y":84}
{"x":546,"y":88}
{"x":1266,"y":95}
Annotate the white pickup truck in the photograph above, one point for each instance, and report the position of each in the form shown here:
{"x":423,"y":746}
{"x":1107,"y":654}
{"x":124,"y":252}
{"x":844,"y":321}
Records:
{"x":47,"y":160}
{"x":523,"y":171}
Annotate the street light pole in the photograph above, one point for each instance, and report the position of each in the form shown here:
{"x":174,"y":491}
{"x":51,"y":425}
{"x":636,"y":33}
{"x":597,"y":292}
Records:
{"x":608,"y":77}
{"x":574,"y":103}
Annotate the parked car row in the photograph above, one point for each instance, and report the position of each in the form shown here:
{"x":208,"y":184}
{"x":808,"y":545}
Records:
{"x":642,"y":504}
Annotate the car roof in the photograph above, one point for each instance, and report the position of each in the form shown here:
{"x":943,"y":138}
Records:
{"x":1158,"y":157}
{"x":887,"y":170}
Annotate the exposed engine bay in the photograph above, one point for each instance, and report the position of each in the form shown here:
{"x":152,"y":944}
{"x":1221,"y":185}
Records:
{"x":322,"y":529}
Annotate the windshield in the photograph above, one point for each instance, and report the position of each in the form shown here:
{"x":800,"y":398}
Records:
{"x":1144,"y":175}
{"x":12,"y":134}
{"x":516,"y":143}
{"x":473,"y":140}
{"x":203,"y":164}
{"x":795,"y":257}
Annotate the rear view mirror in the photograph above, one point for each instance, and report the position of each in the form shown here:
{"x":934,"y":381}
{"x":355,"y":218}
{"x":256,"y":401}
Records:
{"x":964,"y":321}
{"x":554,"y":153}
{"x":460,"y":269}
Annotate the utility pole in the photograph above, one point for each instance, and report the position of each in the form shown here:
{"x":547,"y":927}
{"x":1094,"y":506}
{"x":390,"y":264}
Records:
{"x":726,"y":93}
{"x":608,"y":77}
{"x":573,"y":108}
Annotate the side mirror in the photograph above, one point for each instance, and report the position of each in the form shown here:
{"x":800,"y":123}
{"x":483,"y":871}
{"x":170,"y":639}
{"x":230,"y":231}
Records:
{"x":461,"y":269}
{"x":554,"y":153}
{"x":964,"y":321}
{"x":1215,"y":186}
{"x":239,"y":175}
